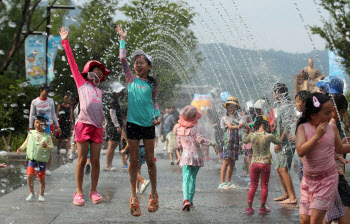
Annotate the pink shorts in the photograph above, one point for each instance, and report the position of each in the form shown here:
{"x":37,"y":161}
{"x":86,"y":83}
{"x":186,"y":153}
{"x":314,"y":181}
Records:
{"x":84,"y":132}
{"x":318,"y":192}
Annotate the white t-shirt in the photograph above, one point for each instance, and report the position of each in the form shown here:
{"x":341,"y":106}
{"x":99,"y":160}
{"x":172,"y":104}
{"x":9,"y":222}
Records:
{"x":42,"y":107}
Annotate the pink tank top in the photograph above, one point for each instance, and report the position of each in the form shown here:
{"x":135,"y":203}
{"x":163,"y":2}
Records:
{"x":321,"y":158}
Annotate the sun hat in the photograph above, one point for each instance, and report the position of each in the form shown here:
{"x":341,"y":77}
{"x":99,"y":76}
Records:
{"x":117,"y":87}
{"x":231,"y":100}
{"x":189,"y":116}
{"x":260,"y":104}
{"x":88,"y":66}
{"x":331,"y":84}
{"x":139,"y":52}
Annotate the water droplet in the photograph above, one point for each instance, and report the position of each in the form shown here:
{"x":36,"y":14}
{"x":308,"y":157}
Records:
{"x":12,"y":24}
{"x":49,"y":26}
{"x":2,"y":52}
{"x":14,"y":105}
{"x":21,"y":94}
{"x":56,"y":15}
{"x":76,"y":46}
{"x":44,"y":33}
{"x":25,"y":116}
{"x":63,"y":58}
{"x":51,"y":93}
{"x":5,"y":105}
{"x":26,"y":111}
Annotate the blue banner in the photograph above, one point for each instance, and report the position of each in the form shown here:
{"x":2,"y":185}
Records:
{"x":54,"y":45}
{"x":35,"y":51}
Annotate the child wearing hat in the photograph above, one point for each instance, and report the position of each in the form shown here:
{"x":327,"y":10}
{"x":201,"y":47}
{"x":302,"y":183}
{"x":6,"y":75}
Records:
{"x":38,"y":144}
{"x":261,"y":161}
{"x":229,"y":153}
{"x":89,"y":128}
{"x":189,"y":138}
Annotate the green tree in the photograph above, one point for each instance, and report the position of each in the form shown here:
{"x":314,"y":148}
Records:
{"x":16,"y":27}
{"x":161,"y":28}
{"x":336,"y":31}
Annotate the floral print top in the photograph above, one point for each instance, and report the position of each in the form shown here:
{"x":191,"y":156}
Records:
{"x":189,"y":140}
{"x":261,"y":146}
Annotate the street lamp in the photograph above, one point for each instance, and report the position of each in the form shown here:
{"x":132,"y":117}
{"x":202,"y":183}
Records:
{"x":48,"y":22}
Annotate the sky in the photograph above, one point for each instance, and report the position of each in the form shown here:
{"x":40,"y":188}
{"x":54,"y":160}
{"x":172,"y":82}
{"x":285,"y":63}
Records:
{"x":271,"y":24}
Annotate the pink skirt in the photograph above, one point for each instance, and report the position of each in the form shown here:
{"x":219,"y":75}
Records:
{"x":318,"y":192}
{"x":84,"y":132}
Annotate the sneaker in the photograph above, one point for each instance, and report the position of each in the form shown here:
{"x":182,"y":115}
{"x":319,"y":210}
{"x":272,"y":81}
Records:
{"x":87,"y":169}
{"x":172,"y":163}
{"x":222,"y":186}
{"x":192,"y":205}
{"x":96,"y":197}
{"x":263,"y":211}
{"x":144,"y":186}
{"x":41,"y":198}
{"x":249,"y":211}
{"x":71,"y":157}
{"x":48,"y":173}
{"x":138,"y":191}
{"x":186,"y":205}
{"x":30,"y":197}
{"x":78,"y":199}
{"x":125,"y":166}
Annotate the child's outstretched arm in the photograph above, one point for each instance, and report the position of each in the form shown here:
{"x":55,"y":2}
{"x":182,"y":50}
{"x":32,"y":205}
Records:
{"x":303,"y":146}
{"x":122,"y":54}
{"x":204,"y":141}
{"x":24,"y":145}
{"x":275,"y":139}
{"x":79,"y":80}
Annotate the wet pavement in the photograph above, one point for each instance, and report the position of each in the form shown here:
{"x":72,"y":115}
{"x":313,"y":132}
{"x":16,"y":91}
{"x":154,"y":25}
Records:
{"x":211,"y":205}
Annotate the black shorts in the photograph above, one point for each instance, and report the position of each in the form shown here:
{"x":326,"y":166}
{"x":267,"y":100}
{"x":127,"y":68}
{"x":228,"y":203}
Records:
{"x":137,"y":132}
{"x":112,"y":134}
{"x":344,"y":190}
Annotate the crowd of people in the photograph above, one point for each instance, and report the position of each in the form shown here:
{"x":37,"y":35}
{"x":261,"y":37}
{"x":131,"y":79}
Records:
{"x":316,"y":132}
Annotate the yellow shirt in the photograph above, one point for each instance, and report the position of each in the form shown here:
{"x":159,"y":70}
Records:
{"x":261,"y":146}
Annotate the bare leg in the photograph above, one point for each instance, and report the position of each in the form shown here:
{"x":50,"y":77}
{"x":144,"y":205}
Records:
{"x":304,"y":219}
{"x":67,"y":144}
{"x":110,"y":153}
{"x":134,"y":161}
{"x":171,"y":157}
{"x":42,"y":186}
{"x":177,"y":155}
{"x":152,"y":168}
{"x":83,"y":148}
{"x":285,"y":196}
{"x":231,"y":164}
{"x":345,"y":219}
{"x":289,"y":184}
{"x":223,"y":170}
{"x":124,"y":159}
{"x":317,"y":216}
{"x":95,"y":149}
{"x":59,"y":147}
{"x":30,"y":182}
{"x":140,"y":179}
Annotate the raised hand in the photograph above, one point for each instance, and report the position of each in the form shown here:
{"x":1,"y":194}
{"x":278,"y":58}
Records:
{"x":64,"y":33}
{"x":121,"y":33}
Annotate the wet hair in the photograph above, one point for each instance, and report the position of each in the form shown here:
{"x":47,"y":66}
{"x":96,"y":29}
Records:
{"x":303,"y":94}
{"x":310,"y":107}
{"x":280,"y":88}
{"x":150,"y":80}
{"x":340,"y":101}
{"x":260,"y":121}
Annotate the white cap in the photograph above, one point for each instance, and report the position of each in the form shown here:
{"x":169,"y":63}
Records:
{"x":260,"y":104}
{"x":139,"y":52}
{"x":117,"y":87}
